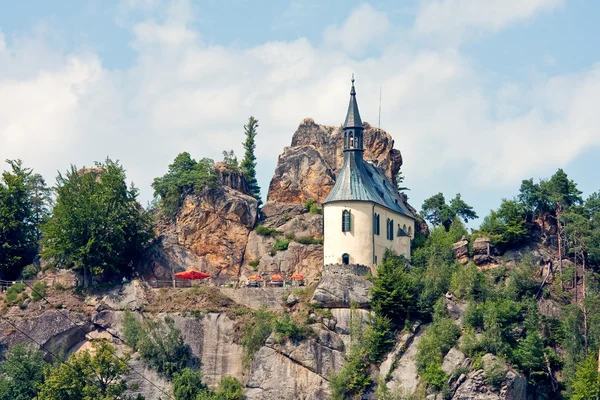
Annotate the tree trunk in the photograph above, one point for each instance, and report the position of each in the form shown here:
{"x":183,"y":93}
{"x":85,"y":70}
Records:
{"x":559,"y":237}
{"x":585,"y":316}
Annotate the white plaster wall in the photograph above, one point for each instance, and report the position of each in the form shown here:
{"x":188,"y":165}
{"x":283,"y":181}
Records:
{"x":360,"y":242}
{"x":401,"y":245}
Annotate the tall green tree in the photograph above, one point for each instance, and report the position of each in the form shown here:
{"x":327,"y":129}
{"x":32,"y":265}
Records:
{"x":248,"y":163}
{"x":586,"y":383}
{"x":87,"y":376}
{"x":508,"y":225}
{"x":17,"y":220}
{"x":97,"y":225}
{"x":21,"y":373}
{"x":437,"y":212}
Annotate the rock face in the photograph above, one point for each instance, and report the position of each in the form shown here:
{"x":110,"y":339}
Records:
{"x":307,"y":169}
{"x":473,"y":386}
{"x":343,"y":285}
{"x":295,"y":370}
{"x":461,"y":251}
{"x":209,"y":233}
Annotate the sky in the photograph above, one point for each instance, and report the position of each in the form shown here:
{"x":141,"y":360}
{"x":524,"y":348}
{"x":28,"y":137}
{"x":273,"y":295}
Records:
{"x":477,"y":94}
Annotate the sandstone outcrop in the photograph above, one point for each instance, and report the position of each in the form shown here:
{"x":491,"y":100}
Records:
{"x":307,"y":169}
{"x":343,"y":285}
{"x":209,"y":233}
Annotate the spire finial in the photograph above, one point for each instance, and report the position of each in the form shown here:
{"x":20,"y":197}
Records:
{"x":353,"y":91}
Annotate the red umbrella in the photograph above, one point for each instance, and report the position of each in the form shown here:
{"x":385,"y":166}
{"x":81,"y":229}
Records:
{"x":277,"y":277}
{"x":255,"y":278}
{"x":297,"y":277}
{"x":192,"y":275}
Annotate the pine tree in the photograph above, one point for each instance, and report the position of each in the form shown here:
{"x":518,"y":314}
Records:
{"x":248,"y":164}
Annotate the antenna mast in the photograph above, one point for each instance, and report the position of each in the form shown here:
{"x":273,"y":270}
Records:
{"x":379,"y":121}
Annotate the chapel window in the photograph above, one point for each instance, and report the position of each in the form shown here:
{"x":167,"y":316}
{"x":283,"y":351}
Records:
{"x":376,"y":224}
{"x":346,"y":221}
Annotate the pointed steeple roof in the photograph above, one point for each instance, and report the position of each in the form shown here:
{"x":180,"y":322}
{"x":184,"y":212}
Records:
{"x":353,"y":116}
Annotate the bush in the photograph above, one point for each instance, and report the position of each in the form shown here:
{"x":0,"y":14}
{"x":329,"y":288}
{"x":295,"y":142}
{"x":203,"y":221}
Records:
{"x":353,"y":379}
{"x":494,"y":372}
{"x":187,"y":384}
{"x":290,"y":236}
{"x":440,"y":338}
{"x":468,"y":283}
{"x":474,"y":316}
{"x":315,"y":209}
{"x":159,"y":343}
{"x":281,"y":245}
{"x":265,"y":231}
{"x":308,"y":204}
{"x":254,"y":263}
{"x":39,"y":291}
{"x":256,"y":332}
{"x":29,"y":271}
{"x":16,"y":288}
{"x":434,"y":376}
{"x":287,"y":329}
{"x":378,"y":338}
{"x":308,"y":240}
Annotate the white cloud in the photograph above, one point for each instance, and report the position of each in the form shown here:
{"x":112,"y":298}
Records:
{"x":183,"y":95}
{"x":363,"y":27}
{"x":457,"y":17}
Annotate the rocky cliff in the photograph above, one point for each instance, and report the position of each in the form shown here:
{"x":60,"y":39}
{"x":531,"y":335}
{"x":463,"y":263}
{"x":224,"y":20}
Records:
{"x":215,"y":230}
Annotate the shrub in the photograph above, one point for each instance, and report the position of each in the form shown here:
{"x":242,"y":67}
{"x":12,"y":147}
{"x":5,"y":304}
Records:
{"x":12,"y":298}
{"x":159,"y":343}
{"x":378,"y":338}
{"x":265,"y":231}
{"x":434,"y":376}
{"x":474,"y":315}
{"x":290,"y":236}
{"x":468,"y":283}
{"x":281,"y":245}
{"x":29,"y":271}
{"x":16,"y":288}
{"x":308,"y":204}
{"x":254,"y":264}
{"x":256,"y":332}
{"x":440,"y":338}
{"x":229,"y":389}
{"x":494,"y":372}
{"x":308,"y":240}
{"x":315,"y":209}
{"x":187,"y":384}
{"x":39,"y":291}
{"x":287,"y":329}
{"x":353,"y":379}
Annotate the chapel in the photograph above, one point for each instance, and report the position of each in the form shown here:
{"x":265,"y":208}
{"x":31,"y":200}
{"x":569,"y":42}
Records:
{"x":363,"y":214}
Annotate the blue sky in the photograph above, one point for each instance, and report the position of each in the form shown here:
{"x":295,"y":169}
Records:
{"x":478,"y":95}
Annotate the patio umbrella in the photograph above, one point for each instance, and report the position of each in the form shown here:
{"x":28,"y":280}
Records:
{"x":255,"y":278}
{"x":192,"y":275}
{"x":277,"y":277}
{"x":297,"y":277}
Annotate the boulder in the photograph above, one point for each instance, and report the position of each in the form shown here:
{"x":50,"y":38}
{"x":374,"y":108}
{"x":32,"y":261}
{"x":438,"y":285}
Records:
{"x":404,"y":376}
{"x":452,"y":360}
{"x":483,"y":251}
{"x":473,"y":386}
{"x":340,"y":286}
{"x":130,"y":295}
{"x":461,"y":251}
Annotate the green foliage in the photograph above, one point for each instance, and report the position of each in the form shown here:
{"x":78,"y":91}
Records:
{"x":468,"y":283}
{"x":438,"y":340}
{"x":287,"y":329}
{"x":18,"y":224}
{"x":256,"y":332}
{"x":159,"y":343}
{"x":529,"y":356}
{"x":29,"y":272}
{"x":248,"y":164}
{"x":87,"y":376}
{"x":39,"y":291}
{"x":508,"y":226}
{"x":21,"y":373}
{"x":395,"y":290}
{"x":187,"y":384}
{"x":185,"y":176}
{"x":309,"y":203}
{"x":353,"y":379}
{"x":437,"y":212}
{"x":230,"y":161}
{"x":586,"y":382}
{"x":315,"y":209}
{"x":254,"y":263}
{"x":495,"y":372}
{"x":378,"y":338}
{"x":281,"y":244}
{"x":308,"y":240}
{"x":266,"y":231}
{"x":434,"y":376}
{"x":522,"y":283}
{"x":229,"y":389}
{"x":97,"y":224}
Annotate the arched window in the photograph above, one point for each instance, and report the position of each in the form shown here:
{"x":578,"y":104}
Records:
{"x":376,"y":224}
{"x":390,"y":229}
{"x":345,"y":259}
{"x":410,"y":231}
{"x":351,"y":139}
{"x":346,"y":221}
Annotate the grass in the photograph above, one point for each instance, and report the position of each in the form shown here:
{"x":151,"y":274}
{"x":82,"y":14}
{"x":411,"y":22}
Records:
{"x":265,"y":231}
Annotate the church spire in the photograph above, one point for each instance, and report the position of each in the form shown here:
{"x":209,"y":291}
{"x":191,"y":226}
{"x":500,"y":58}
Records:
{"x":353,"y":116}
{"x":353,"y":127}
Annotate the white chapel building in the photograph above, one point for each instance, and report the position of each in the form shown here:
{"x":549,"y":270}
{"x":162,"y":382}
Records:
{"x":363,"y":214}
